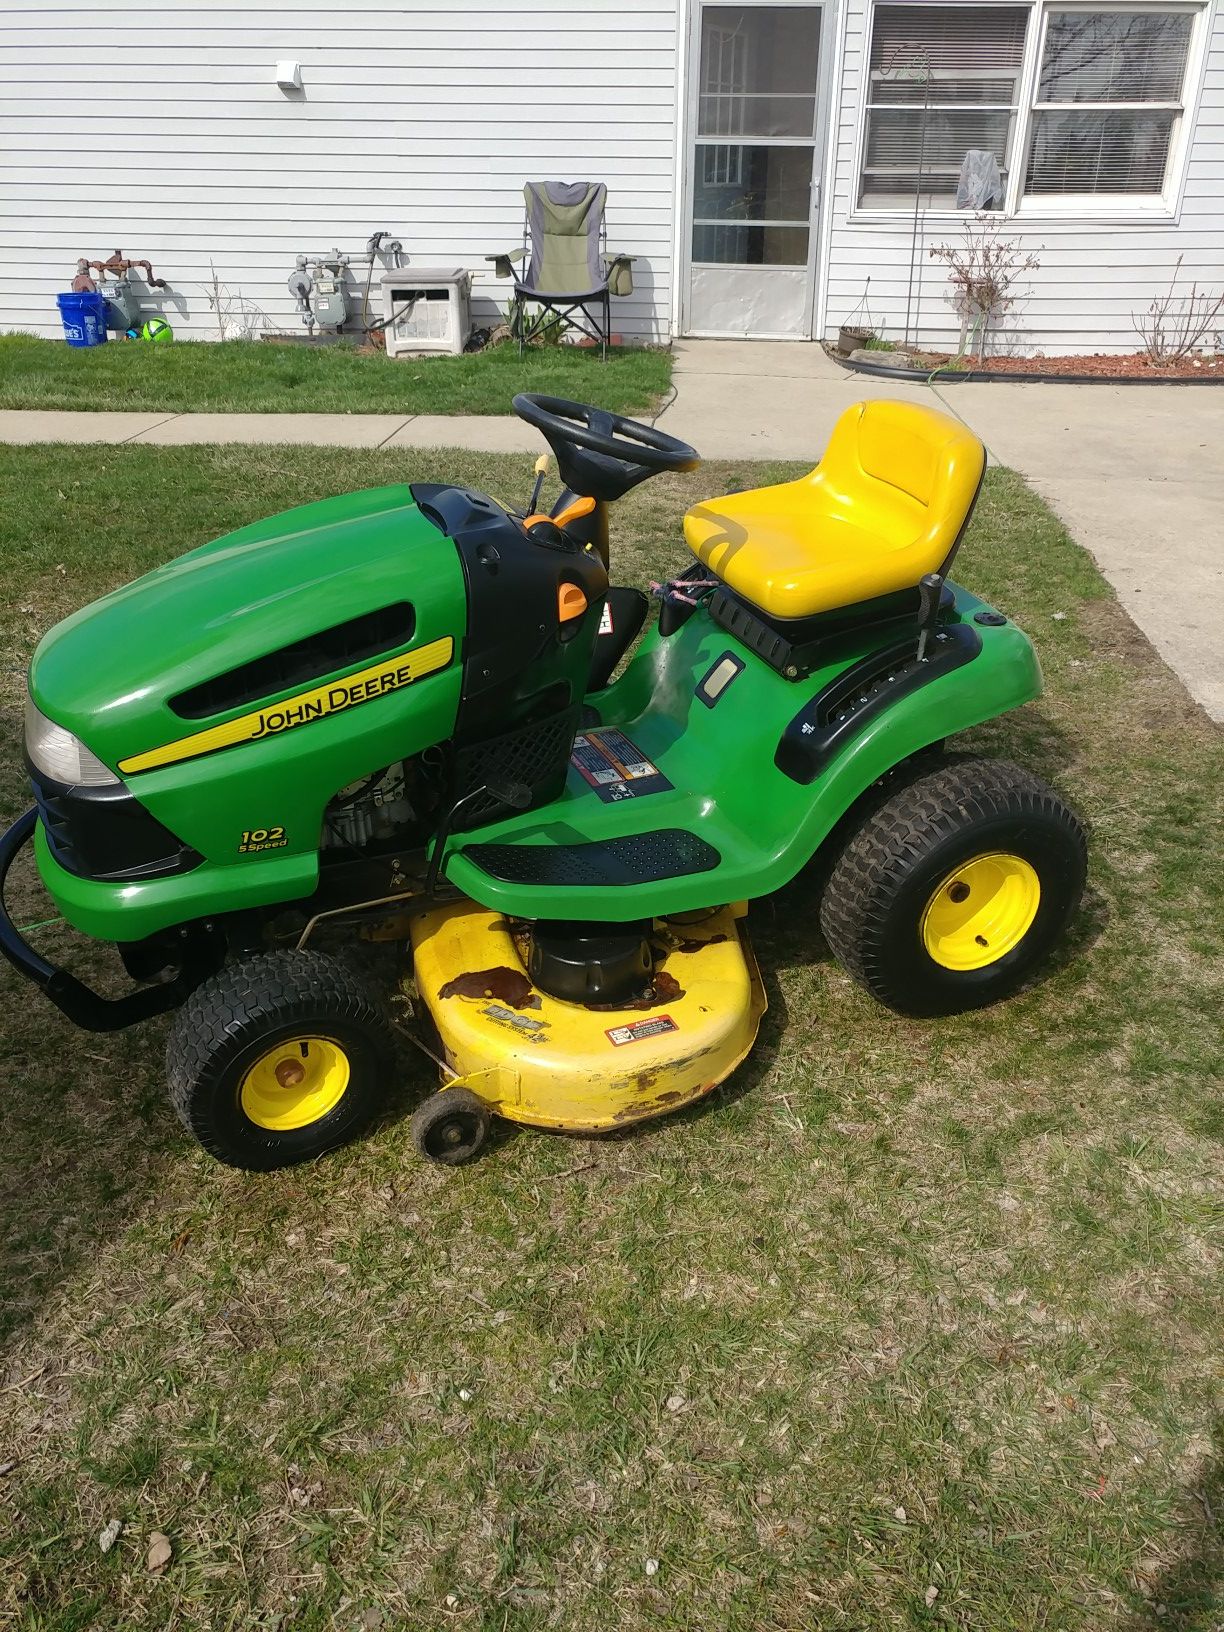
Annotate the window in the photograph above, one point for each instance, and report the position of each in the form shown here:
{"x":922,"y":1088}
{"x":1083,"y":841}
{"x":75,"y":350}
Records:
{"x":1109,"y":100}
{"x":944,"y":79}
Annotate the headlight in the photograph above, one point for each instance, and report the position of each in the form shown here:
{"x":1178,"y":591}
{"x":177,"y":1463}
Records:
{"x":59,"y":755}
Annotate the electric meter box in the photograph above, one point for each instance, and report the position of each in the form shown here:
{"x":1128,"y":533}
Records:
{"x":426,"y":308}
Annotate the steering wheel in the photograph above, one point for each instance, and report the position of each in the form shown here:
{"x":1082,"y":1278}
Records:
{"x":601,"y":455}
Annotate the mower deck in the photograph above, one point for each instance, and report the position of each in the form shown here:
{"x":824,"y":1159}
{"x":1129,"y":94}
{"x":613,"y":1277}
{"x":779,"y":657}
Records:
{"x":535,"y":1059}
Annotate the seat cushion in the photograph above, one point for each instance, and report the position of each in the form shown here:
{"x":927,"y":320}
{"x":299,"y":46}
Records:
{"x":885,"y":506}
{"x":779,"y":551}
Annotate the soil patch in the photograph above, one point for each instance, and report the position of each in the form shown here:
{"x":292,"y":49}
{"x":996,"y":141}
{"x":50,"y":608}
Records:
{"x":1097,"y":366}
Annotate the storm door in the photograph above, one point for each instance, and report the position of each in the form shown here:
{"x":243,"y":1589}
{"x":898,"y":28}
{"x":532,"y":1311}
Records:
{"x":753,"y":180}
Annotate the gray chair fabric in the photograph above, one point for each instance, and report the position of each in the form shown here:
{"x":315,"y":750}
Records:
{"x":567,"y":273}
{"x":565,"y":221}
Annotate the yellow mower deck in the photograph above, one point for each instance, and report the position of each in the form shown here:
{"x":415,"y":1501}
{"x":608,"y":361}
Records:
{"x":532,"y":1058}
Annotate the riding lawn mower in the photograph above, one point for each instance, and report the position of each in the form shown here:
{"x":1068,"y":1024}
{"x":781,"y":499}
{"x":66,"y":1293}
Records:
{"x":415,"y":713}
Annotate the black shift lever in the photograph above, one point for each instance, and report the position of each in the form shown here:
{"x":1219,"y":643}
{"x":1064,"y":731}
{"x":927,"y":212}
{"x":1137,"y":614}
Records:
{"x":515,"y":794}
{"x":930,"y":593}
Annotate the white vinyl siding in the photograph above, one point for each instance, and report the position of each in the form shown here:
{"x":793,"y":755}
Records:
{"x":1100,"y":263}
{"x":157,"y":127}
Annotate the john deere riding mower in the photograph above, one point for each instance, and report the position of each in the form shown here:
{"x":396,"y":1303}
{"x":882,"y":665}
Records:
{"x":394,"y":714}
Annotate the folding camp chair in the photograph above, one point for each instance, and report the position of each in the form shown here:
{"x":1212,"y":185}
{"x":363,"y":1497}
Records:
{"x":569,"y":274}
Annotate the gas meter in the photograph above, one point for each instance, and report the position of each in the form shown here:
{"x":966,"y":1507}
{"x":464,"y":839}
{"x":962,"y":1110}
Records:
{"x":318,"y":282}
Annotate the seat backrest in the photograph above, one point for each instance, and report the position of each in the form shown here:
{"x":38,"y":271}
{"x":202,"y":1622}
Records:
{"x":564,"y":223}
{"x":912,"y":472}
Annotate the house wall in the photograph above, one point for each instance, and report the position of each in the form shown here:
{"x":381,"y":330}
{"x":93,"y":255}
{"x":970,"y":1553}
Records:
{"x":156,"y":126}
{"x":1094,"y":274}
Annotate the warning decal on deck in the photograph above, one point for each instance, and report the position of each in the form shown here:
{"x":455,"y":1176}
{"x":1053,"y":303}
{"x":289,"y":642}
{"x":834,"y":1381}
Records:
{"x":614,"y":766}
{"x":637,"y":1031}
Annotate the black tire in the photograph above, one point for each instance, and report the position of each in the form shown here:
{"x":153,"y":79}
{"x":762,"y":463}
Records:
{"x":876,"y":902}
{"x":451,"y":1126}
{"x":263,"y":1003}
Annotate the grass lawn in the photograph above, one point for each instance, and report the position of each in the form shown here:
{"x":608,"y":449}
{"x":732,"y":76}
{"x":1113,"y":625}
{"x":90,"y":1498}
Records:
{"x":912,"y":1325}
{"x":253,"y":377}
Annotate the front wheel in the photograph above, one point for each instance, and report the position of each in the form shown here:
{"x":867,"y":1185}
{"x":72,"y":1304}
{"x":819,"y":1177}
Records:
{"x":278,"y":1059}
{"x":955,"y":888}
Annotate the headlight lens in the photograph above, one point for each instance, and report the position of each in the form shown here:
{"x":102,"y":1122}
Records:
{"x":58,"y":754}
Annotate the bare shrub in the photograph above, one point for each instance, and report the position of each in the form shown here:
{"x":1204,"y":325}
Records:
{"x":1175,"y":325}
{"x":236,"y":316}
{"x":985,"y":272}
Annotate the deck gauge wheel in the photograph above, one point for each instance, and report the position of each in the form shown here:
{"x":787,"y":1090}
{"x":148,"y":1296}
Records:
{"x":451,"y":1126}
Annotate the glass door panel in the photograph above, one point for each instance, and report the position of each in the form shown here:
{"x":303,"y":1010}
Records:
{"x":752,"y":156}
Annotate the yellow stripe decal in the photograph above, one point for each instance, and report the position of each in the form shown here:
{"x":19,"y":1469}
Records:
{"x":315,"y":704}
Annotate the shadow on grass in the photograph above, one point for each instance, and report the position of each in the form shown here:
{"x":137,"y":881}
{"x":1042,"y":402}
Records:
{"x":1188,"y":1594}
{"x":86,"y":1144}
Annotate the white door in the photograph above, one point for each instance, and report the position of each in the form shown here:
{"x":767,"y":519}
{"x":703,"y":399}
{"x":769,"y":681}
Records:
{"x":755,"y":137}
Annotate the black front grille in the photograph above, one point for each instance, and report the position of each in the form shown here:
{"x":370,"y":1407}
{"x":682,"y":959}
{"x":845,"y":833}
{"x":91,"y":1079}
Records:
{"x":107,"y":834}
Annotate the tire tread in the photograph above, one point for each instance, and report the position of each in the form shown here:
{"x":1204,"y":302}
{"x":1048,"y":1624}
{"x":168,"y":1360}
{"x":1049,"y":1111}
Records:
{"x":935,"y":805}
{"x":268,"y":986}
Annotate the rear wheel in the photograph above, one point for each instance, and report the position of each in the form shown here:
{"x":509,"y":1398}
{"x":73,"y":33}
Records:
{"x":278,"y":1059}
{"x":955,"y":888}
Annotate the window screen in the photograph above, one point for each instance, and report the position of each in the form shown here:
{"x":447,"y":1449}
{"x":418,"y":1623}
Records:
{"x":943,"y":79}
{"x":1109,"y":100}
{"x":756,"y":113}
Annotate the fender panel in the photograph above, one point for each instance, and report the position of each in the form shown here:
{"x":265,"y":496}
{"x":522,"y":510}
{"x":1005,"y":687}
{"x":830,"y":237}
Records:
{"x":717,"y":776}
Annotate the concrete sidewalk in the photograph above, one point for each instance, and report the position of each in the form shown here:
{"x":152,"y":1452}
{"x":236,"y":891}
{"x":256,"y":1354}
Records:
{"x":1135,"y":472}
{"x":492,"y":433}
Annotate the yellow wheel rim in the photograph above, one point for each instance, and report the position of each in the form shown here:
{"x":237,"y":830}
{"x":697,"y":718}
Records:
{"x":295,"y":1083}
{"x":981,"y":911}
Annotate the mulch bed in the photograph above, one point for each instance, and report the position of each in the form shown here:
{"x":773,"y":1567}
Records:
{"x":1093,"y":365}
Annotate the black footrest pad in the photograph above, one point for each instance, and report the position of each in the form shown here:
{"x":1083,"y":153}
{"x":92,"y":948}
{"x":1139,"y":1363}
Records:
{"x":641,"y":858}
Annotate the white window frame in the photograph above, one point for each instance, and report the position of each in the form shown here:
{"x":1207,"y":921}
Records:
{"x":1162,"y":204}
{"x":1052,"y":207}
{"x":1018,"y":113}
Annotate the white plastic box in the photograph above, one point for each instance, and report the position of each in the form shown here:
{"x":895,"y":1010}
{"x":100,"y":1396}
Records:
{"x":426,"y":308}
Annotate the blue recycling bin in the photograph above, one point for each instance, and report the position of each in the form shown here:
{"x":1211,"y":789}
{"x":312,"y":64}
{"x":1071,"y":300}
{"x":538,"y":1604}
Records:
{"x":84,"y":318}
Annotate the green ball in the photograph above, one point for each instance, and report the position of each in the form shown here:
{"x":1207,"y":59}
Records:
{"x":157,"y":329}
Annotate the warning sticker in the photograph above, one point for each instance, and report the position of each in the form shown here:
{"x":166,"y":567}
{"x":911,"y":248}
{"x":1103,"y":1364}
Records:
{"x":605,"y":620}
{"x":637,"y":1031}
{"x":614,"y":766}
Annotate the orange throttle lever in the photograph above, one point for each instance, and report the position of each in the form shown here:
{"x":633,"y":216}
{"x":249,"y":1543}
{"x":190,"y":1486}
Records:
{"x":573,"y":511}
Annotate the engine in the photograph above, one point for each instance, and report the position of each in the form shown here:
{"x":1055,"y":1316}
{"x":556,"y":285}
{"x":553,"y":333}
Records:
{"x":379,"y":810}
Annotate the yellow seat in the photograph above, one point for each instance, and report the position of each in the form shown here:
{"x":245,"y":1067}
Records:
{"x":886,"y":505}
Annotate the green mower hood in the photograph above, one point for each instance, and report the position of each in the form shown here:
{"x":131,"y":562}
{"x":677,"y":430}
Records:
{"x":294,"y":599}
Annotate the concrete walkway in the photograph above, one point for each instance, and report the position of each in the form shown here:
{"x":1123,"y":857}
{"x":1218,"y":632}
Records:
{"x":1135,"y":472}
{"x":491,"y":433}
